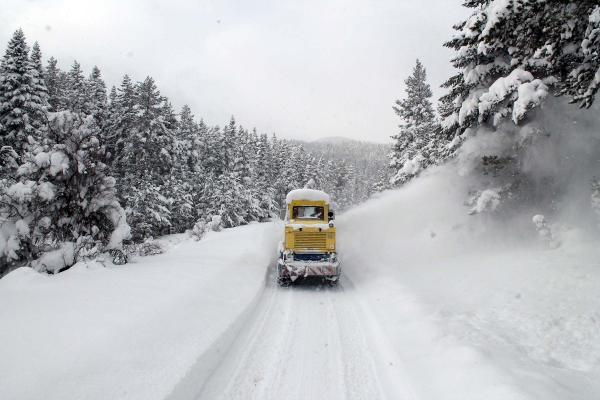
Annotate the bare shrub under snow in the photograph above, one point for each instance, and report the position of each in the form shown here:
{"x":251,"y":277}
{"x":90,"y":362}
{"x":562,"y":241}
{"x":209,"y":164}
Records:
{"x":199,"y":230}
{"x":202,"y":227}
{"x":150,"y":247}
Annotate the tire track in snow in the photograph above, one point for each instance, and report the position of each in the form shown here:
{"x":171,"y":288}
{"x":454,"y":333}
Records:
{"x":362,"y":381}
{"x":302,"y":342}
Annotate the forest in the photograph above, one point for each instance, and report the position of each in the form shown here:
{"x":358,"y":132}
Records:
{"x":85,"y":169}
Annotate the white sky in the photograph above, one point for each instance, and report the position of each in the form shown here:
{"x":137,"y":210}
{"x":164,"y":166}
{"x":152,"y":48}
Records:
{"x":303,"y":69}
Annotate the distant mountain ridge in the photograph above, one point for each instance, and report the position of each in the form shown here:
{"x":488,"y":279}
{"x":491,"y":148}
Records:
{"x":334,"y":139}
{"x":368,"y":162}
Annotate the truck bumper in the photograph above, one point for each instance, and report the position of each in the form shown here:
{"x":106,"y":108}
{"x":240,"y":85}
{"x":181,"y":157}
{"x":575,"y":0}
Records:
{"x":302,"y":269}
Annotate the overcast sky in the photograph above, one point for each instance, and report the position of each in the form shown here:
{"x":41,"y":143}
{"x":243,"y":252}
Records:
{"x":303,"y":69}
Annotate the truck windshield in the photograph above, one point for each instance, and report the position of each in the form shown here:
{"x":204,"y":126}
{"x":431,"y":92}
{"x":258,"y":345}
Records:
{"x":308,"y":212}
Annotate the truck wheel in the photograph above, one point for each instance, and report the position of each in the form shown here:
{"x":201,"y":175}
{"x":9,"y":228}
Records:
{"x":333,"y":282}
{"x":284,"y":281}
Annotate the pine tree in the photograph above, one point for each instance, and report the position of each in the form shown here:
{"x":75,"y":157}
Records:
{"x":16,"y":91}
{"x":168,"y":115}
{"x":187,"y":135}
{"x":210,"y":147}
{"x":184,"y":175}
{"x":76,"y":90}
{"x":150,"y":146}
{"x":56,"y":84}
{"x":264,"y":188}
{"x":38,"y":104}
{"x":228,"y":201}
{"x":417,"y":129}
{"x":229,"y":137}
{"x":64,"y":197}
{"x":151,"y":142}
{"x":146,"y":206}
{"x":416,"y":109}
{"x":120,"y":126}
{"x":96,"y":97}
{"x":510,"y":56}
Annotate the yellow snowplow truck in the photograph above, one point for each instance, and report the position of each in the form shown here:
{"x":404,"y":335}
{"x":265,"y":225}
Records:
{"x":309,"y":244}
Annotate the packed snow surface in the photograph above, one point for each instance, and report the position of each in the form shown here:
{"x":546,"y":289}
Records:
{"x":433,"y":303}
{"x":307,"y":194}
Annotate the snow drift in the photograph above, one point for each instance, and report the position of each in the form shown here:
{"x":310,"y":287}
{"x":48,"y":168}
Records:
{"x":502,"y":302}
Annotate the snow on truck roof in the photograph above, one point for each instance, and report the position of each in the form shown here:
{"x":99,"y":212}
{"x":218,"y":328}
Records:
{"x":307,"y":194}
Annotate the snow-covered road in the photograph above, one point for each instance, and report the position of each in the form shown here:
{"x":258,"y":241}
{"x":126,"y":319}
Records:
{"x":301,"y":342}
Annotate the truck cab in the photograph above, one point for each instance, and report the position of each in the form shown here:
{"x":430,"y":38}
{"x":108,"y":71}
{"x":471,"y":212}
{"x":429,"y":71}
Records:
{"x":308,"y":247}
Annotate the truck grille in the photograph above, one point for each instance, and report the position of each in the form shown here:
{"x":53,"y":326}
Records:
{"x":310,"y":240}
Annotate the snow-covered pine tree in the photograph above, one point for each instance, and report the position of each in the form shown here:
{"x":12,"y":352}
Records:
{"x":275,"y":150}
{"x":210,"y":147}
{"x":76,"y":90}
{"x":382,"y":183}
{"x":341,"y":190}
{"x":96,"y":97}
{"x":56,"y":83}
{"x":149,"y":146}
{"x":290,"y":176}
{"x":185,"y":175}
{"x":112,"y":100}
{"x":416,"y":108}
{"x":119,"y":126}
{"x":510,"y":55}
{"x":38,"y":103}
{"x":241,"y":156}
{"x":313,"y":172}
{"x":280,"y":152}
{"x":169,"y":116}
{"x":418,"y":128}
{"x":146,"y":206}
{"x":242,"y":173}
{"x":17,"y":87}
{"x":228,"y":140}
{"x":230,"y":201}
{"x":187,"y":135}
{"x":108,"y":136}
{"x":63,"y":202}
{"x":265,"y":190}
{"x":181,"y":205}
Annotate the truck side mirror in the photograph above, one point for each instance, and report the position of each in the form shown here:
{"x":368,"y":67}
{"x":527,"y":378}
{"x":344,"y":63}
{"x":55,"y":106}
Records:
{"x":330,"y":216}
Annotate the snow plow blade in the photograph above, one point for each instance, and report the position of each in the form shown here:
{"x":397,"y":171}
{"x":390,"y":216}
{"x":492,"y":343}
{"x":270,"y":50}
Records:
{"x":288,"y":272}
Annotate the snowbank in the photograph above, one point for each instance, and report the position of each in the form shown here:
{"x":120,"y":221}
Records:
{"x":307,"y":194}
{"x":480,"y":299}
{"x":127,"y":331}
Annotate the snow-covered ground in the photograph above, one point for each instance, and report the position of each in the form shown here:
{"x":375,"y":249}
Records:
{"x":132,"y":331}
{"x":476,"y":308}
{"x":433,"y":304}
